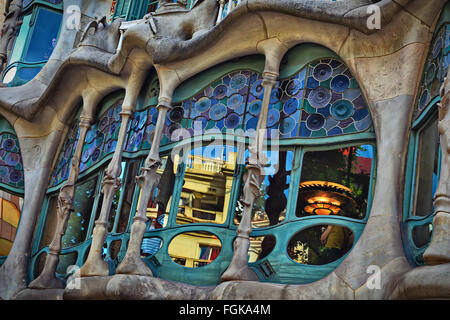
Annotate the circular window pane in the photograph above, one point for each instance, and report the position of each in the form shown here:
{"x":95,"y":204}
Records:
{"x":321,"y":244}
{"x":150,"y":246}
{"x":422,"y":235}
{"x":194,"y":249}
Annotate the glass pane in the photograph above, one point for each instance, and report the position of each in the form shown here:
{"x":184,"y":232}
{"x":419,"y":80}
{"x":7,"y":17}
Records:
{"x":10,"y":74}
{"x":270,"y":207}
{"x":45,"y":34}
{"x":114,"y":248}
{"x":39,"y":264}
{"x":50,"y":223}
{"x":335,"y":182}
{"x":65,"y":261}
{"x":158,"y":206}
{"x":150,"y":246}
{"x":10,"y":208}
{"x":194,"y":249}
{"x":116,"y":200}
{"x":320,"y":244}
{"x":260,"y":247}
{"x":422,"y":235}
{"x":427,"y":169}
{"x":79,"y":219}
{"x":20,"y":40}
{"x":28,"y":73}
{"x":208,"y":179}
{"x":130,"y":184}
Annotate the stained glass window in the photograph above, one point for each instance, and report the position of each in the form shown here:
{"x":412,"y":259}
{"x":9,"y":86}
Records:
{"x":101,"y":139}
{"x":323,"y":99}
{"x":435,"y":69}
{"x":62,"y":169}
{"x":11,"y":167}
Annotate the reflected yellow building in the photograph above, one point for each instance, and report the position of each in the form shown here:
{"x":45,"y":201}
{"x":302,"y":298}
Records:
{"x":10,"y":206}
{"x":204,"y":198}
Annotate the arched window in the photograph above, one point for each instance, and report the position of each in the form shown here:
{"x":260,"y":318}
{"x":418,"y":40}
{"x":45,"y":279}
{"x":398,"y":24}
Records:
{"x":424,"y":154}
{"x":35,"y":41}
{"x":11,"y":187}
{"x":319,"y":177}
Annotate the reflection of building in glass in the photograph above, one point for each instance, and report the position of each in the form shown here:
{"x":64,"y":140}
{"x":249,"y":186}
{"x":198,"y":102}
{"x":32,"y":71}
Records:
{"x":205,"y":195}
{"x":131,"y":144}
{"x":194,"y":249}
{"x":10,"y":207}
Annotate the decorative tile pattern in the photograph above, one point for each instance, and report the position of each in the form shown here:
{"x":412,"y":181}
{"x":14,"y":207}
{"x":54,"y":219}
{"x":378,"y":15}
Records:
{"x":435,"y":70}
{"x":11,"y":166}
{"x":333,"y":103}
{"x":62,"y":169}
{"x":101,"y":139}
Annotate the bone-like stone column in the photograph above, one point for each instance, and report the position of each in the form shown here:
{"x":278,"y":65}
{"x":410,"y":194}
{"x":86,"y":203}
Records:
{"x":238,"y":268}
{"x":47,"y":278}
{"x":95,"y":265}
{"x":438,"y":252}
{"x":148,"y":180}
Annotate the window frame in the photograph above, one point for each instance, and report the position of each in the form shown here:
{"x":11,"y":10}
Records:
{"x":409,"y":220}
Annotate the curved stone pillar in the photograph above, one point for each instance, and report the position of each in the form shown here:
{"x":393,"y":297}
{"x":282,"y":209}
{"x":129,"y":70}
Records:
{"x":148,"y":180}
{"x":95,"y":265}
{"x":47,"y":279}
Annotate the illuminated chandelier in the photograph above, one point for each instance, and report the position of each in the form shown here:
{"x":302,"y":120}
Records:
{"x":323,"y":197}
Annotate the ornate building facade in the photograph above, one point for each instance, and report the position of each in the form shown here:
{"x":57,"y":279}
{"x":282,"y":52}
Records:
{"x":225,"y":149}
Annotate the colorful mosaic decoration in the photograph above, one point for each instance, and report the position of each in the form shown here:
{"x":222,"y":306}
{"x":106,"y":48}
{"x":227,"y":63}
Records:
{"x":101,"y":138}
{"x":62,"y":169}
{"x":435,"y":70}
{"x":11,"y":166}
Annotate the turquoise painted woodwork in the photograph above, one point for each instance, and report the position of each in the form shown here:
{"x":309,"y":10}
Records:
{"x":410,"y":221}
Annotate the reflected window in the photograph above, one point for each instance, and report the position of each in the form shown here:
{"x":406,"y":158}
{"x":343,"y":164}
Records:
{"x":10,"y":208}
{"x":427,"y":168}
{"x":206,"y":190}
{"x":194,"y":249}
{"x":44,"y":37}
{"x":79,"y":218}
{"x":320,"y":244}
{"x":158,"y":206}
{"x":127,"y":197}
{"x":150,"y":246}
{"x":335,"y":182}
{"x":269,"y":208}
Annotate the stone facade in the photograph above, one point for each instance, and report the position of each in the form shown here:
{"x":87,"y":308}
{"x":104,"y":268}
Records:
{"x":179,"y":43}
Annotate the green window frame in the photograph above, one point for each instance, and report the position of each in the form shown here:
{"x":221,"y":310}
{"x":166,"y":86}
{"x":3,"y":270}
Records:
{"x":413,"y":221}
{"x":19,"y":71}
